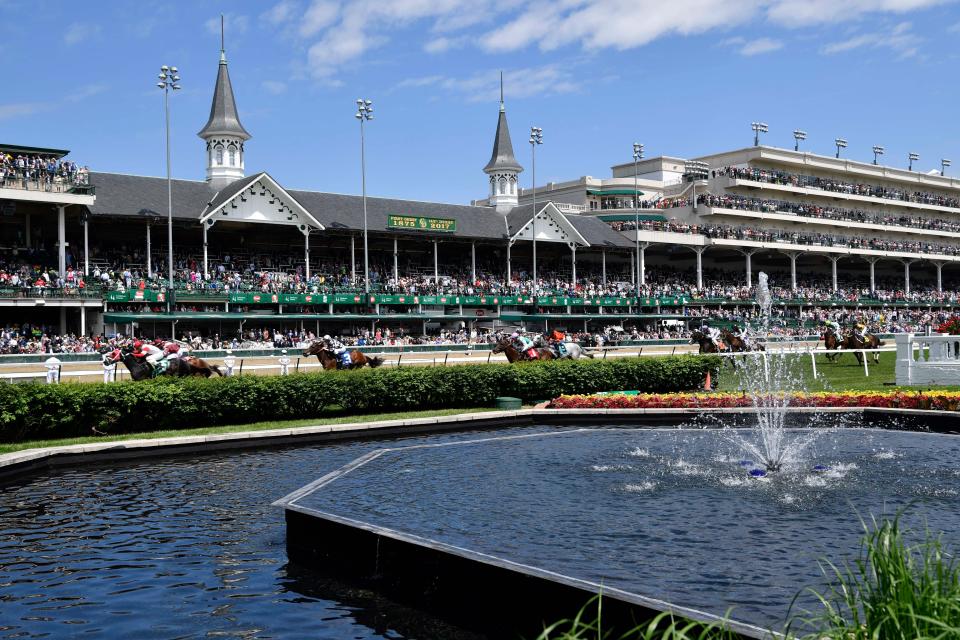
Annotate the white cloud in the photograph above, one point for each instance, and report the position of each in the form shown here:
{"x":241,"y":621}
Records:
{"x":900,"y":39}
{"x":320,"y":15}
{"x":233,"y":24}
{"x":274,"y":86}
{"x":760,"y":45}
{"x":518,"y":83}
{"x":22,"y":109}
{"x":444,"y":44}
{"x":80,"y":31}
{"x":340,"y":33}
{"x":87,"y":91}
{"x":798,"y":13}
{"x":281,"y":12}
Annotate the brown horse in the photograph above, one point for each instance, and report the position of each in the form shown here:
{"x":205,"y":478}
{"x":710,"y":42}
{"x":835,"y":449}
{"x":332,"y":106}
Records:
{"x":177,"y":367}
{"x":737,"y":344}
{"x":851,"y":342}
{"x":706,"y":344}
{"x":328,"y":359}
{"x":505,"y":346}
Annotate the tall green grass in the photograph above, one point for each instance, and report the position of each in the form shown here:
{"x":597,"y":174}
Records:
{"x":893,"y":590}
{"x":588,"y":625}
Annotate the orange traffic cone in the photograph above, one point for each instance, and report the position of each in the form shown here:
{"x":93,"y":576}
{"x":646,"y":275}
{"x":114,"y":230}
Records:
{"x":706,"y":385}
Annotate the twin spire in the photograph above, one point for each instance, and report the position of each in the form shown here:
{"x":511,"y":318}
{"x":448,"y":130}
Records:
{"x":224,"y":120}
{"x":502,"y":157}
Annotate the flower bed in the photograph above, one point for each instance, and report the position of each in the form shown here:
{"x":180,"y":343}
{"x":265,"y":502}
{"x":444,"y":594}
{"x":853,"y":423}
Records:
{"x":939,"y":400}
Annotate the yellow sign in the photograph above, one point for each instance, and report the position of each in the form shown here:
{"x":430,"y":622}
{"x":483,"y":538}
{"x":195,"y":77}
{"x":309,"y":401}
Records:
{"x":421,"y":224}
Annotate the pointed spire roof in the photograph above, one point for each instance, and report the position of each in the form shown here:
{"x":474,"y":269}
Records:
{"x":502,"y":156}
{"x":223,"y":112}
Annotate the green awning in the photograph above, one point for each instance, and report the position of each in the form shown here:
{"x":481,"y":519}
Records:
{"x":612,"y":192}
{"x":630,"y":217}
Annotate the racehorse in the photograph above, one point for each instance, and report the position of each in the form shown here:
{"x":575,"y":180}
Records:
{"x":571,"y":350}
{"x":706,"y":344}
{"x":176,"y":367}
{"x":851,"y":342}
{"x":854,"y":341}
{"x":505,"y":346}
{"x":737,"y":344}
{"x":328,"y":359}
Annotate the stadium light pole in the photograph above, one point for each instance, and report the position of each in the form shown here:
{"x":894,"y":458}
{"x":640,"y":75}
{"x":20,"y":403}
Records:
{"x":841,"y":144}
{"x":169,"y":80}
{"x":799,"y":136}
{"x":637,"y":156}
{"x":877,"y":151}
{"x":912,"y":157}
{"x":758,"y":128}
{"x":944,"y":163}
{"x":364,"y":113}
{"x":536,"y":138}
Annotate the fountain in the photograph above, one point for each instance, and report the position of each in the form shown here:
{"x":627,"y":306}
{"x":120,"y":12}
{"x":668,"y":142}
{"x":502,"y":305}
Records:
{"x":769,"y":383}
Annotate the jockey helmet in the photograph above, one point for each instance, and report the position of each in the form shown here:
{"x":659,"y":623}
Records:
{"x":515,"y":335}
{"x":326,"y":337}
{"x":137,"y":344}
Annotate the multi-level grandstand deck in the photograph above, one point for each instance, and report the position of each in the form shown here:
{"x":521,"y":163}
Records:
{"x":42,"y":170}
{"x":778,"y":172}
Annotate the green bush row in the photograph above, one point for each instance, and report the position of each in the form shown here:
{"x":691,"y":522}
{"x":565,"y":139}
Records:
{"x":39,"y":411}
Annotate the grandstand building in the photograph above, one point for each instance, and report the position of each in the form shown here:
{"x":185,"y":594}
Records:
{"x":252,"y":254}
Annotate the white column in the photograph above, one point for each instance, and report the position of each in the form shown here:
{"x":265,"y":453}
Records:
{"x":642,"y":267}
{"x":573,"y":262}
{"x":436,"y":263}
{"x":699,"y":251}
{"x":833,"y":271}
{"x":873,"y":280}
{"x":206,"y":271}
{"x":61,"y":239}
{"x":353,"y":259}
{"x":509,"y":269}
{"x":473,"y":260}
{"x":396,"y":269}
{"x":603,"y":257}
{"x":793,"y":268}
{"x":748,"y":254}
{"x":83,"y":320}
{"x":306,"y":251}
{"x":906,"y":275}
{"x":86,"y":246}
{"x":149,"y":263}
{"x":939,"y":266}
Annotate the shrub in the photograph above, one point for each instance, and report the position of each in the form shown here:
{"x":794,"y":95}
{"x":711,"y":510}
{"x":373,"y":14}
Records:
{"x":36,"y":411}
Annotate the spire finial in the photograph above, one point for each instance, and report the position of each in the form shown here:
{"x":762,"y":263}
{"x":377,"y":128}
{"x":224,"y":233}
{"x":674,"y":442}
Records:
{"x":501,"y":91}
{"x":223,"y":51}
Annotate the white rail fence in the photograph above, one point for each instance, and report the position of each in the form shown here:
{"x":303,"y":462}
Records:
{"x":53,"y":373}
{"x":928,"y":359}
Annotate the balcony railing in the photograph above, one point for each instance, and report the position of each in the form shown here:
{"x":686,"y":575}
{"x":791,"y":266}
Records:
{"x":78,"y":184}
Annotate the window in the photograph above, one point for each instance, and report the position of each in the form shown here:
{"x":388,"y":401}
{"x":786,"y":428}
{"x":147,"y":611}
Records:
{"x":219,"y":155}
{"x":503,"y":186}
{"x":233,"y":156}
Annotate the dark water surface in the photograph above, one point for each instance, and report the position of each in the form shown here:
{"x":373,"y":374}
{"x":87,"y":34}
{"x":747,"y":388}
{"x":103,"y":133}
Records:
{"x":672,"y":514}
{"x":183,"y":547}
{"x":189,"y":546}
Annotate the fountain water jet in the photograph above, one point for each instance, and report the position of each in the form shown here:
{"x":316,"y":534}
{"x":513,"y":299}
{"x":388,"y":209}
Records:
{"x":770,"y":383}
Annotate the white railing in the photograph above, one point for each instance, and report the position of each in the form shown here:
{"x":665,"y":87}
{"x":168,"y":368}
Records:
{"x":928,"y":359}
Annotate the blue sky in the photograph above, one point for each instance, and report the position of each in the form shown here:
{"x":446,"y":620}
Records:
{"x":685,"y":77}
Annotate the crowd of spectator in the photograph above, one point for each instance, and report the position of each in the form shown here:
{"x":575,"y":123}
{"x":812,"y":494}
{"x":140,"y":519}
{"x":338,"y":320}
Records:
{"x":38,"y":171}
{"x":774,"y":176}
{"x":743,"y":203}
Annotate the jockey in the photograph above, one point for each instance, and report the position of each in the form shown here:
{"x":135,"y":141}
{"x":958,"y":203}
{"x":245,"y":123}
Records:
{"x":713,"y":333}
{"x":524,"y":345}
{"x":861,"y":331}
{"x":555,"y":341}
{"x":834,"y":326}
{"x":150,"y":352}
{"x":338,"y":349}
{"x":743,"y":333}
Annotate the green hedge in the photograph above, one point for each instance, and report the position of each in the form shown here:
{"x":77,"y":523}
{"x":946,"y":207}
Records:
{"x":40,"y":411}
